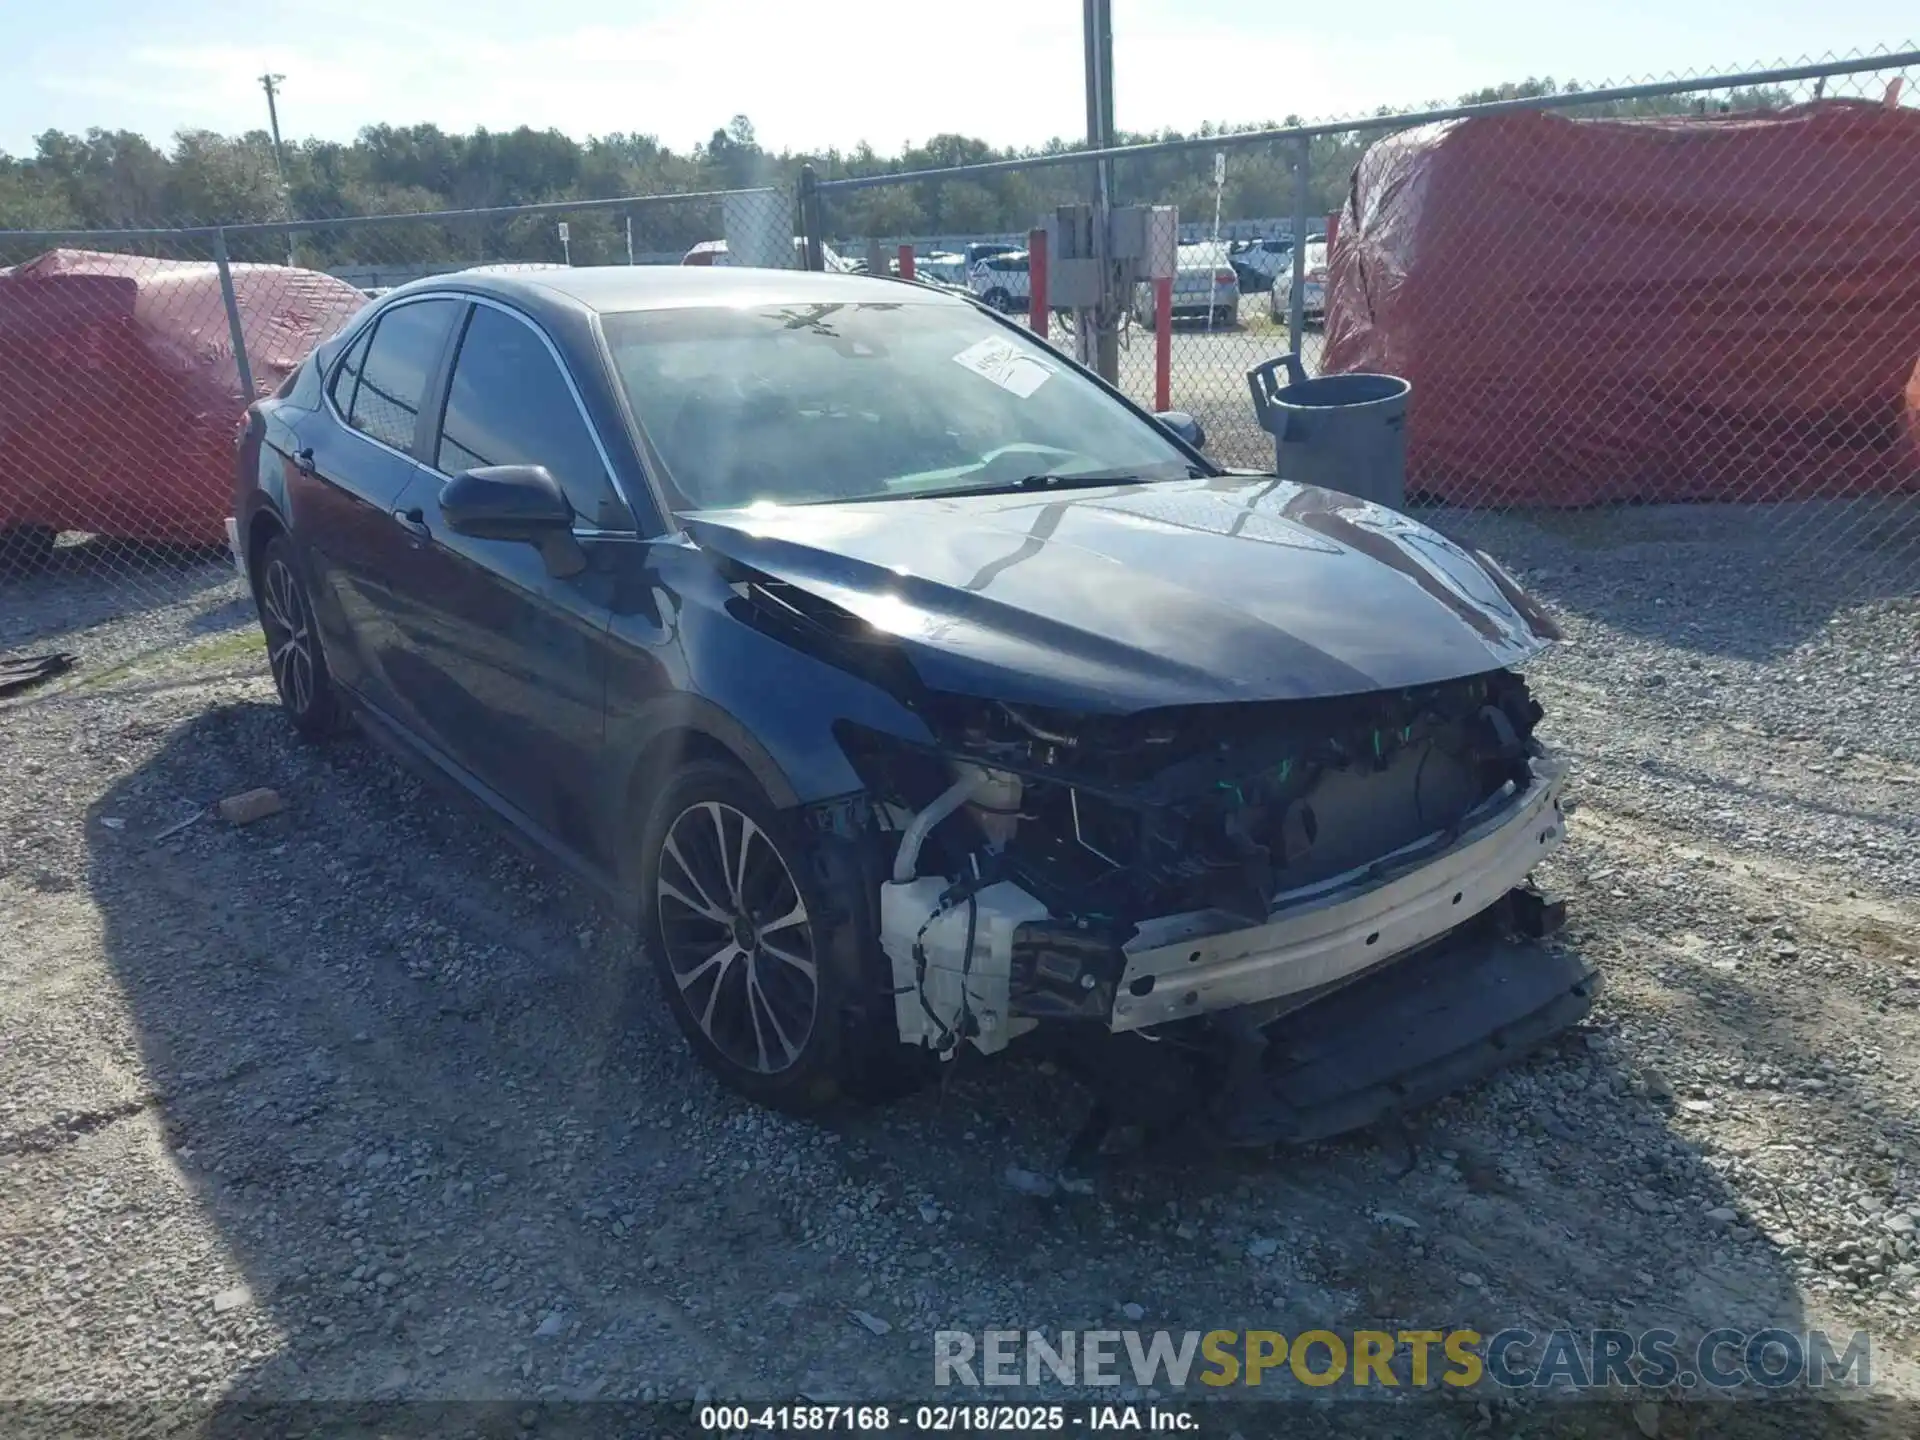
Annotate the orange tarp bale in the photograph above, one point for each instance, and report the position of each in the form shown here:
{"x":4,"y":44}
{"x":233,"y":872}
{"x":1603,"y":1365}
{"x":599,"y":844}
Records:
{"x":119,"y":398}
{"x":1722,"y":308}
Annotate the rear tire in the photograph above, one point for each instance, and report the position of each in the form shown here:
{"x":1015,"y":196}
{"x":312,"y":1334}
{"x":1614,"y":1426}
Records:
{"x":770,"y":973}
{"x":999,"y":299}
{"x":300,"y":674}
{"x":26,"y":549}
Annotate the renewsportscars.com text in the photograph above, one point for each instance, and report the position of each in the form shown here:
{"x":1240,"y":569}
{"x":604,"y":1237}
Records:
{"x":1514,"y":1358}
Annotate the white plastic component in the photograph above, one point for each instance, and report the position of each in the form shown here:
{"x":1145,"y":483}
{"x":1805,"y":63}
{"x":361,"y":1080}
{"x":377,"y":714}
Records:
{"x":907,"y":858}
{"x":948,"y":980}
{"x":994,"y":803}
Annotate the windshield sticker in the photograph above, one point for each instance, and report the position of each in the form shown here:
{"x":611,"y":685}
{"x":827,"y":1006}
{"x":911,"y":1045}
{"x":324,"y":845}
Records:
{"x":1005,"y":366}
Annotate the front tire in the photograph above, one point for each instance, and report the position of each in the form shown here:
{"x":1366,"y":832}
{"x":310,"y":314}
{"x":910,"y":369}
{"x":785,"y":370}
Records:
{"x":998,"y":299}
{"x":767,"y":981}
{"x":300,"y":673}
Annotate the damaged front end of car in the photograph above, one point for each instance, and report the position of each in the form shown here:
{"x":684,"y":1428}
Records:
{"x":1277,"y":919}
{"x":1201,"y":879}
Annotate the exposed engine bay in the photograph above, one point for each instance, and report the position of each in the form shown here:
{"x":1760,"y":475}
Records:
{"x":1199,"y":874}
{"x":1291,"y":914}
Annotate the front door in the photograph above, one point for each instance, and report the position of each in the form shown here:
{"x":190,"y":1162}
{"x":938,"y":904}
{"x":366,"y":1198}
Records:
{"x":505,"y":664}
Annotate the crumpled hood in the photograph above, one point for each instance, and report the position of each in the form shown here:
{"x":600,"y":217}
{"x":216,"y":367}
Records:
{"x":1233,"y":588}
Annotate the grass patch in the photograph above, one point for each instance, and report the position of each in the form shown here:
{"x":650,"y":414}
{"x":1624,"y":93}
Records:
{"x":172,"y":661}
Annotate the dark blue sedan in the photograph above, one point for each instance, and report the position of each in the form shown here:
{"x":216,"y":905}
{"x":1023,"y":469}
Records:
{"x":912,"y":691}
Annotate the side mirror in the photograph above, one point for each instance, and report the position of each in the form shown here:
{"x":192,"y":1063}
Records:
{"x":515,"y":502}
{"x":1185,"y":426}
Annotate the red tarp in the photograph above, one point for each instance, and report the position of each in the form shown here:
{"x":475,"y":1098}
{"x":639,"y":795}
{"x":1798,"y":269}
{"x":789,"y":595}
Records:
{"x":1676,"y":309}
{"x":119,"y":400}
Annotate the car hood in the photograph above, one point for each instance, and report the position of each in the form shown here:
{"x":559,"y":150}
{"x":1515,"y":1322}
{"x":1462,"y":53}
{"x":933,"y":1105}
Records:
{"x":1229,"y":588}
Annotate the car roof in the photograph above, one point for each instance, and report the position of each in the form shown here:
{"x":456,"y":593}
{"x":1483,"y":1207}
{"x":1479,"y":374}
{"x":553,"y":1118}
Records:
{"x":617,"y":289}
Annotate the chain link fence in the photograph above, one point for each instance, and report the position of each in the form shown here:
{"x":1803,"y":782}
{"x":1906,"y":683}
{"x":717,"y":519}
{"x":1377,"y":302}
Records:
{"x":1700,"y":293}
{"x":128,"y":357}
{"x":1691,"y":304}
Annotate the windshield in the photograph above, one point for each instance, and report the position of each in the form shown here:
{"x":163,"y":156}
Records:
{"x":799,"y":404}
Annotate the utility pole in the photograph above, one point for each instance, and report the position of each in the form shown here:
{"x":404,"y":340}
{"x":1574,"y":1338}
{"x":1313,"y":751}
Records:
{"x":1097,"y":16}
{"x":268,"y":83}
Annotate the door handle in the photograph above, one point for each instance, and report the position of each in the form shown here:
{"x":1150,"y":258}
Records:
{"x":303,"y":461}
{"x":414,"y":522}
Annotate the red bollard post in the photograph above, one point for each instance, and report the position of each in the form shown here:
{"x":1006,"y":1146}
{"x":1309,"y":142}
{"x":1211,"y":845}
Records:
{"x":906,"y":262}
{"x":1333,"y":225}
{"x":1163,"y":343}
{"x":1037,"y":281}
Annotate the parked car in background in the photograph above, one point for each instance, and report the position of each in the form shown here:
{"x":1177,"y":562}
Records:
{"x":942,"y":268}
{"x":1259,"y":262}
{"x":1205,"y":287}
{"x":980,"y":250}
{"x":714,"y":252}
{"x":1313,"y":296}
{"x":911,"y":690}
{"x":1003,"y":281}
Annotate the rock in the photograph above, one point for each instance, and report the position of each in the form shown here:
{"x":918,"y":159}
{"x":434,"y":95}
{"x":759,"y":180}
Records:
{"x":1658,"y":1086}
{"x":553,"y":1325}
{"x":1470,"y":1280}
{"x":1900,"y":1222}
{"x":1723,"y":1215}
{"x":1395,"y":1220}
{"x":1134,"y":1311}
{"x":1646,"y":1418}
{"x":1643,"y":1202}
{"x":251,"y":805}
{"x":871,"y":1321}
{"x":1697,"y":1107}
{"x":1028,"y":1182}
{"x":232,"y":1299}
{"x":1261,"y":1249}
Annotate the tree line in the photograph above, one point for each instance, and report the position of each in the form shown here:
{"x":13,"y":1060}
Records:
{"x":119,"y":179}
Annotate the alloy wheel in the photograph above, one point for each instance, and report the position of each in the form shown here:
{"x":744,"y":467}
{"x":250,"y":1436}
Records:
{"x":737,"y":937}
{"x":283,"y":611}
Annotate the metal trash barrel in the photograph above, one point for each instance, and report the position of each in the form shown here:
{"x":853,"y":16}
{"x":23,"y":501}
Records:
{"x":1343,"y":432}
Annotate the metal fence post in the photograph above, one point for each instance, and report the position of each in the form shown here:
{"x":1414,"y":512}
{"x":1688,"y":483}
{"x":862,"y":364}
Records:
{"x":234,"y":329}
{"x":1297,"y":298}
{"x":810,"y":227}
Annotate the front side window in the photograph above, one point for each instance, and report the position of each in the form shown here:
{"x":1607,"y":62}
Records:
{"x":510,"y":405}
{"x":407,"y":341}
{"x":813,"y":403}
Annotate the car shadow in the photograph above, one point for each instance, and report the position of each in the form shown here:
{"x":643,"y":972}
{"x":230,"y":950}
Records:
{"x":455,"y":1150}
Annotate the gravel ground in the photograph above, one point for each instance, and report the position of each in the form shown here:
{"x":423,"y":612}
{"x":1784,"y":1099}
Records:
{"x":358,"y":1102}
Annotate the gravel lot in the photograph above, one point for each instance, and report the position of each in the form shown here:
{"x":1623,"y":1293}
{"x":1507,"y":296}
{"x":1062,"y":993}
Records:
{"x":358,"y":1102}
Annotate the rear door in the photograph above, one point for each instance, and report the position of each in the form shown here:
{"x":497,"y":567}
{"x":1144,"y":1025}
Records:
{"x":506,"y":665}
{"x":352,"y":468}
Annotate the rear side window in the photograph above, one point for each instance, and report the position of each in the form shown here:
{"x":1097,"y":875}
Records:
{"x":347,"y":374}
{"x":406,"y":347}
{"x":510,"y":405}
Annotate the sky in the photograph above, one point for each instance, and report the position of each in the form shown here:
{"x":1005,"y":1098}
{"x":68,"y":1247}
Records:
{"x":819,"y":75}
